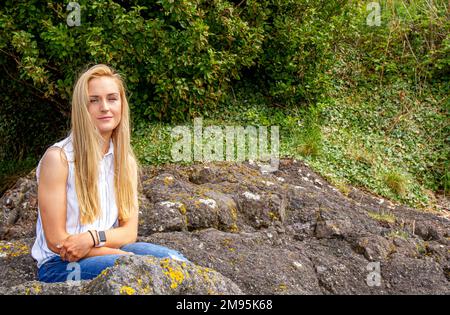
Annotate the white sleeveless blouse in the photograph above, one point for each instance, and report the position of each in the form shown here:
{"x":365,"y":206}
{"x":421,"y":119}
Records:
{"x":109,"y":214}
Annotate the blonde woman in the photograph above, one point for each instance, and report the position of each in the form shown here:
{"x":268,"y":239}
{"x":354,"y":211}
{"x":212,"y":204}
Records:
{"x":87,"y":186}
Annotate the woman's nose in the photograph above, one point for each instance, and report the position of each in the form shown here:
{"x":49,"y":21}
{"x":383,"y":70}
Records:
{"x":105,"y":106}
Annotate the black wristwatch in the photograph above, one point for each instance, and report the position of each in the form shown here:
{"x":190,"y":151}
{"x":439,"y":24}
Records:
{"x":101,"y":239}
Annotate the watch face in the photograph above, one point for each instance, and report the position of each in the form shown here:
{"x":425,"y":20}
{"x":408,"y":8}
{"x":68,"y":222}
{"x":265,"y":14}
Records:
{"x":102,"y":236}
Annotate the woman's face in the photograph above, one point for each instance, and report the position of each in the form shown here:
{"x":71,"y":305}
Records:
{"x":105,"y":105}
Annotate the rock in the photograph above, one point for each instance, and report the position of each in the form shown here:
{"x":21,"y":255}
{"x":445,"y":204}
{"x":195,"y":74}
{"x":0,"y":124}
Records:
{"x":18,"y":209}
{"x":427,"y":231}
{"x":374,"y":248}
{"x":438,"y":251}
{"x":414,"y":276}
{"x":405,"y":247}
{"x":332,"y":228}
{"x":338,"y":268}
{"x":17,"y":265}
{"x":261,"y":210}
{"x":143,"y":275}
{"x":252,"y":232}
{"x":42,"y":288}
{"x":164,"y":216}
{"x":251,"y":260}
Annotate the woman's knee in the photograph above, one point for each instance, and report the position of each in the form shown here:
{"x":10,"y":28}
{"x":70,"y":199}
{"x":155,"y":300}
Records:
{"x":142,"y":248}
{"x":177,"y":256}
{"x":89,"y":268}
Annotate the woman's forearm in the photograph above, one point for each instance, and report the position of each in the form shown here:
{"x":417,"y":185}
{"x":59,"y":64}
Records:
{"x":120,"y":236}
{"x":56,"y":241}
{"x":101,"y":251}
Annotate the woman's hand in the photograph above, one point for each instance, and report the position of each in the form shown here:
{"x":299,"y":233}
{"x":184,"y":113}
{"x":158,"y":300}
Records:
{"x":76,"y":247}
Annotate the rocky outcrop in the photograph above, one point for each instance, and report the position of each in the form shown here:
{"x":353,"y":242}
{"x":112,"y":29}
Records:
{"x":139,"y":275}
{"x":247,"y":231}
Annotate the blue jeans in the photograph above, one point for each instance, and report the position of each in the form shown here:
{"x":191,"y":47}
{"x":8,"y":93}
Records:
{"x":57,"y":270}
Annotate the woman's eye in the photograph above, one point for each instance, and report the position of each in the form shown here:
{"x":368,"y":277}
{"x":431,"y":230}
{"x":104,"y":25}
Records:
{"x":94,"y":101}
{"x":113,"y":99}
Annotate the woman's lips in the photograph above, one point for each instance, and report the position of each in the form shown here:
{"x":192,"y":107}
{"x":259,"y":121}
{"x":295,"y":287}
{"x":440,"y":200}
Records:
{"x":105,"y":118}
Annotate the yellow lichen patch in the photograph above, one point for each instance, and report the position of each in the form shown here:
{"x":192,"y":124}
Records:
{"x":282,"y":287}
{"x":234,"y":217}
{"x":273,"y":216}
{"x":234,"y":228}
{"x":4,"y":249}
{"x":147,"y":289}
{"x":227,"y":243}
{"x":182,"y":208}
{"x":150,"y":260}
{"x":174,"y":273}
{"x":13,"y":249}
{"x":37,"y":288}
{"x":168,"y":181}
{"x":127,"y":290}
{"x":202,"y":190}
{"x":234,"y":213}
{"x":205,"y":273}
{"x":142,"y":289}
{"x":212,"y":292}
{"x":104,"y":272}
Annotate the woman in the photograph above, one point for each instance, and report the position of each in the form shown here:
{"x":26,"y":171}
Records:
{"x":87,"y":187}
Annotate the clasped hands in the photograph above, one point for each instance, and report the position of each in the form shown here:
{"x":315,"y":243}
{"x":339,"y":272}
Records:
{"x":78,"y":246}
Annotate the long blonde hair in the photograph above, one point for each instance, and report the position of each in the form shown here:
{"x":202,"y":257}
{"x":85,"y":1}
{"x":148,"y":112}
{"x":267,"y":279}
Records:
{"x":87,"y":140}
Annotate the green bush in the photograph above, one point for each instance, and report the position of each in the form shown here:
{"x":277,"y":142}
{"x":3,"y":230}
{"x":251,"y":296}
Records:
{"x":175,"y":55}
{"x":397,"y":74}
{"x":300,"y":38}
{"x":180,"y":58}
{"x":412,"y":44}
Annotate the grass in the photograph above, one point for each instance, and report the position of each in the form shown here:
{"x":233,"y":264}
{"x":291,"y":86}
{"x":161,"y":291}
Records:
{"x":152,"y":143}
{"x":351,"y":138}
{"x":310,"y":142}
{"x":398,"y":233}
{"x":340,"y":185}
{"x":396,"y":181}
{"x":11,"y":171}
{"x":357,"y":151}
{"x":382,"y":217}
